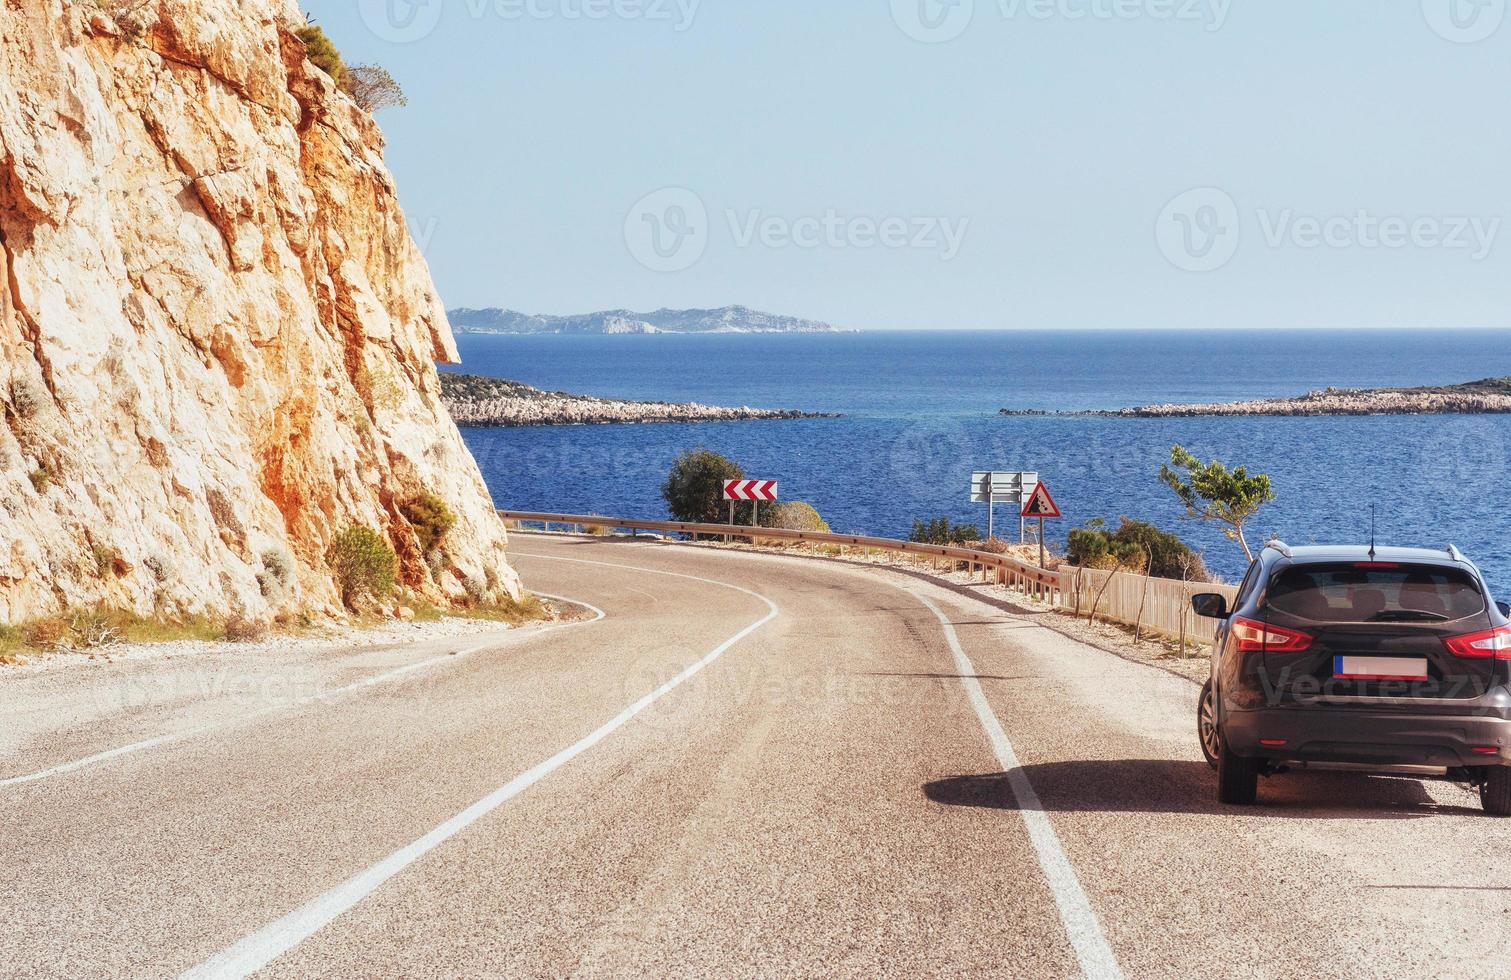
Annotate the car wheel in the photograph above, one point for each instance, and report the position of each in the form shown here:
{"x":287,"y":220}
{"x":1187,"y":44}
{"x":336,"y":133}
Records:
{"x":1206,"y":724}
{"x":1237,"y":777}
{"x":1495,"y":792}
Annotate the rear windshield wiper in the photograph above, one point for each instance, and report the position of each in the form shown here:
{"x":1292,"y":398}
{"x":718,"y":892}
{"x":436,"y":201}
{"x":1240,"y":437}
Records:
{"x":1406,"y":615}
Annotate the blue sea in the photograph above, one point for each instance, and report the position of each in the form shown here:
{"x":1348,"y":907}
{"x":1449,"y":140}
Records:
{"x":920,"y":413}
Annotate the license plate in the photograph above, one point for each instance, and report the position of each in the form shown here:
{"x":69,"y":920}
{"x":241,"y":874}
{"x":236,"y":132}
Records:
{"x":1380,"y":668}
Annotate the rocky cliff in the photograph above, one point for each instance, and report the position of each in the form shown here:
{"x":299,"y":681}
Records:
{"x":217,"y":338}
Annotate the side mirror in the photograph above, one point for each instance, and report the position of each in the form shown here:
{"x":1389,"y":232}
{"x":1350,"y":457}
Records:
{"x":1211,"y":605}
{"x":1505,"y":608}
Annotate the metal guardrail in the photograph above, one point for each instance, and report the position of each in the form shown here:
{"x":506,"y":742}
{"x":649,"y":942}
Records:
{"x":1010,"y":571}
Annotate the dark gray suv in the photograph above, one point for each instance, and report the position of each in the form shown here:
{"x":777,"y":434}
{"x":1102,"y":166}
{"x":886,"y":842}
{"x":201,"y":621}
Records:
{"x":1394,"y":660}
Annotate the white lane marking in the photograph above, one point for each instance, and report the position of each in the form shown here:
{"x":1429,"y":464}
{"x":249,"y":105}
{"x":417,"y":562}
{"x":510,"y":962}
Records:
{"x":262,"y":947}
{"x":1076,"y":914}
{"x":383,"y":678}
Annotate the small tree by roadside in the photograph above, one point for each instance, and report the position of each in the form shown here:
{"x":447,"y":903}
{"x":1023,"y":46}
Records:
{"x":939,"y":530}
{"x":694,"y":490}
{"x":1212,"y":492}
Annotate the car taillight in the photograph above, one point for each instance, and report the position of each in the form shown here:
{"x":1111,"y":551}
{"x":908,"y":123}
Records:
{"x":1482,"y":645}
{"x":1254,"y":636}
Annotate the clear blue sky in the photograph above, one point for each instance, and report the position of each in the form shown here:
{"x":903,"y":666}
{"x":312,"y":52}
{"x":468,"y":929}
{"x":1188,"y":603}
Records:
{"x":1053,"y":132}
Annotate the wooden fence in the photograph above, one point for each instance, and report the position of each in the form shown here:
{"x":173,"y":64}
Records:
{"x":1159,"y":604}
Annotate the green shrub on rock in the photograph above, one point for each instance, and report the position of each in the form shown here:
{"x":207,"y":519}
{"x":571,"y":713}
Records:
{"x":322,"y":52}
{"x":431,"y":519}
{"x":364,"y":564}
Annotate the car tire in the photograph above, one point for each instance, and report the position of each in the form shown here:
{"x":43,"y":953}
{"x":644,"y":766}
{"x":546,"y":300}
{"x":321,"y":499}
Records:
{"x":1206,"y":725}
{"x":1495,"y":792}
{"x":1237,"y":777}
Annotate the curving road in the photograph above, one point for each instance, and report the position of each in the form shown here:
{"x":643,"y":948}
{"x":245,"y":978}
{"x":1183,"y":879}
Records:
{"x":750,"y":764}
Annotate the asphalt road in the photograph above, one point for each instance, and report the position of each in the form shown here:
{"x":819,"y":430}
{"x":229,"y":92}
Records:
{"x":748,"y":765}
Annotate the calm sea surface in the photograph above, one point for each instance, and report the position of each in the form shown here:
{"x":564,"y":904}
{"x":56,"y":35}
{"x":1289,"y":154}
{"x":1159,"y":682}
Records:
{"x":920,"y":413}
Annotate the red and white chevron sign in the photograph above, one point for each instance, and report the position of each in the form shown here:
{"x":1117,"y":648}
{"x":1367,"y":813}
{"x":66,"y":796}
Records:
{"x":749,"y":489}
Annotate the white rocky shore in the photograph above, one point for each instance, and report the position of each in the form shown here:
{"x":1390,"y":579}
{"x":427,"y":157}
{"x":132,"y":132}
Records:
{"x":495,"y":402}
{"x":1487,"y":397}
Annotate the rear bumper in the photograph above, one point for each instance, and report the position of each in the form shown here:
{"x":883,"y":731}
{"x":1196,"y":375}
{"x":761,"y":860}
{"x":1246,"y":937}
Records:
{"x":1323,"y":734}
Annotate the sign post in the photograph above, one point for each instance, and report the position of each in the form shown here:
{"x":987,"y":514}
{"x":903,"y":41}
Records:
{"x":1041,"y":505}
{"x":1001,"y":487}
{"x":753,"y":490}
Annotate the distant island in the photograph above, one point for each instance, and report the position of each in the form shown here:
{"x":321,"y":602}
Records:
{"x":1489,"y":396}
{"x":728,"y":319}
{"x":498,"y":403}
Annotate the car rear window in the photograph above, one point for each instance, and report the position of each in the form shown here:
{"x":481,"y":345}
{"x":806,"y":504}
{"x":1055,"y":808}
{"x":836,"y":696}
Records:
{"x":1365,"y":592}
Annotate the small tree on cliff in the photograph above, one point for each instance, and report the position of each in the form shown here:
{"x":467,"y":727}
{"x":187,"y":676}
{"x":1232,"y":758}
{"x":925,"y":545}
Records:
{"x":1212,"y":492}
{"x":694,"y":490}
{"x":373,"y":88}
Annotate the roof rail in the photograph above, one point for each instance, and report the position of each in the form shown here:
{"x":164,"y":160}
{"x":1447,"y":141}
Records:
{"x":1279,"y":546}
{"x":1456,"y":554}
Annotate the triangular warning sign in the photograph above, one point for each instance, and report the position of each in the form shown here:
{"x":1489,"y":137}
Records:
{"x":1040,"y":503}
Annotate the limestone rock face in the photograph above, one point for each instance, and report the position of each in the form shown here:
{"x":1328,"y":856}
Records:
{"x":217,"y":338}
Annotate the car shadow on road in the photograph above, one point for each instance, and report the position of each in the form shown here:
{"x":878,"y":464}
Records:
{"x":1182,"y":786}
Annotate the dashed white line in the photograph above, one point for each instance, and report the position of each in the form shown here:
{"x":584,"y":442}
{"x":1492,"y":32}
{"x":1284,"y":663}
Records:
{"x":383,"y":678}
{"x":1076,"y":914}
{"x":262,"y":947}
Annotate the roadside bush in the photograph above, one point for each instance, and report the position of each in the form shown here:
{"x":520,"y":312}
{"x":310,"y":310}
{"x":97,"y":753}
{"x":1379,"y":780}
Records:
{"x":993,"y":545}
{"x":938,"y":530}
{"x":240,"y":630}
{"x":431,"y":519}
{"x":1135,"y":544}
{"x":793,"y":516}
{"x":46,"y":633}
{"x":1169,"y":556}
{"x":694,"y":490}
{"x":364,"y":564}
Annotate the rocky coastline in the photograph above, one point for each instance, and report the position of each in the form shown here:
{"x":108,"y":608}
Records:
{"x":499,"y":403}
{"x":1490,"y":396}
